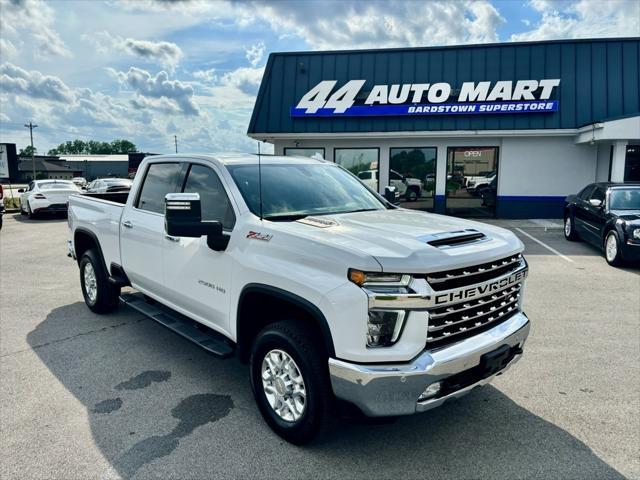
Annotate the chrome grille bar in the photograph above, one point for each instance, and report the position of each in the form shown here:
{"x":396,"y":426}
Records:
{"x":475,"y":303}
{"x":477,"y":270}
{"x":494,"y":313}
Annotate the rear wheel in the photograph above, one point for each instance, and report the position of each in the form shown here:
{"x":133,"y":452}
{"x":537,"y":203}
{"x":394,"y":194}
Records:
{"x":569,"y":228}
{"x":290,"y":381}
{"x":612,"y":249}
{"x":412,"y":194}
{"x":99,"y":294}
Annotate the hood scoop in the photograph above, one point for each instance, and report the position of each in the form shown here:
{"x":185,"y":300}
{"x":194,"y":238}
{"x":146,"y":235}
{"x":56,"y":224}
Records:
{"x":453,"y":239}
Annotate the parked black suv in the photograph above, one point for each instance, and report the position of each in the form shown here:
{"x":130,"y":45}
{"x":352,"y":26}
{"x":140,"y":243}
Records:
{"x":607,"y":215}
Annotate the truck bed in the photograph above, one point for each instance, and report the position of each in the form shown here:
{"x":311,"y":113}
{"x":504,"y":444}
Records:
{"x":99,"y":214}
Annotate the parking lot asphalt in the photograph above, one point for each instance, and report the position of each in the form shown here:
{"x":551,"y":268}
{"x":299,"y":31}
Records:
{"x":119,"y":396}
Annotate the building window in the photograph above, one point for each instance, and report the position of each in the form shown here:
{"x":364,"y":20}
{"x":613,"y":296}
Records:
{"x":413,"y":172}
{"x":304,"y":152}
{"x":362,"y":162}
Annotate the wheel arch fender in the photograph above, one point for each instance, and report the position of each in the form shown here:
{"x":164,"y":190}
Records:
{"x":247,"y":329}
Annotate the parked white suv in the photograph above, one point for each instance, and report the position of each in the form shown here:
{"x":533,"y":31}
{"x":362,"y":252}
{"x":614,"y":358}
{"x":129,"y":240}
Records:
{"x":324,"y":288}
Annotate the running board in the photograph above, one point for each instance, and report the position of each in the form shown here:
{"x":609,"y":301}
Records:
{"x":212,"y":341}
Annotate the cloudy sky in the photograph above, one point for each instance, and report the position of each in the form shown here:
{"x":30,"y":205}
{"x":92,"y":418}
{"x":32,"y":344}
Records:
{"x":147,"y":70}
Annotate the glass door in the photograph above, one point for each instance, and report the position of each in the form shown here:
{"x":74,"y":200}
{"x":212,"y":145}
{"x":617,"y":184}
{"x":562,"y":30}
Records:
{"x":472,"y":181}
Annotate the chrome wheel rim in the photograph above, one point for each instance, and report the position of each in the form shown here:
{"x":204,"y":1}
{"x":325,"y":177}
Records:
{"x":611,"y":248}
{"x":567,"y":226}
{"x":283,"y":385}
{"x":90,"y":283}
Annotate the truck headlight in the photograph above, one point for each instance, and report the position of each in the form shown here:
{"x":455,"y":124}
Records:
{"x":380,"y":282}
{"x":384,"y":327}
{"x":636,"y":234}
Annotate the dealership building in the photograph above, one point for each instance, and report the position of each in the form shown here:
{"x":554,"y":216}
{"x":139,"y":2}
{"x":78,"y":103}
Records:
{"x":505,"y":130}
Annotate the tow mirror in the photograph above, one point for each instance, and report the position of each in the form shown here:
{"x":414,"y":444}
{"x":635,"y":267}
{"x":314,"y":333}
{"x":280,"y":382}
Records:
{"x":391,"y":194}
{"x":595,"y":202}
{"x":183,"y":218}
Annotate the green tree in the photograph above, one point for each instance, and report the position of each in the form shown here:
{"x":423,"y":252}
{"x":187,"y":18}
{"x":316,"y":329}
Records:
{"x":28,"y":151}
{"x":94,"y":147}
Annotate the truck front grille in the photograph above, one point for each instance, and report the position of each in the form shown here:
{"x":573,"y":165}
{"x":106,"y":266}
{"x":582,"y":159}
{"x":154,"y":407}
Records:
{"x":466,"y":318}
{"x":462,"y":277}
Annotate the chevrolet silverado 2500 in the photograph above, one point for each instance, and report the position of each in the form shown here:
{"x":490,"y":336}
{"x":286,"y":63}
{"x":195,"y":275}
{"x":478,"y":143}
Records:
{"x":332,"y":295}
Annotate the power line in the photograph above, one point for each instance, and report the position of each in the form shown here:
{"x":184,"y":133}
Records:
{"x":31,"y":126}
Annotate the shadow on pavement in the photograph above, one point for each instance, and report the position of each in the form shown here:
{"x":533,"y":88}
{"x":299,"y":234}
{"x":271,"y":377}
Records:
{"x":484,"y":435}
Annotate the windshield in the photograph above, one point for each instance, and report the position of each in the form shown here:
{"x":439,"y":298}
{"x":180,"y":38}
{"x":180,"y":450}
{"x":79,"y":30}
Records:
{"x":292,"y":191}
{"x":624,"y":199}
{"x":57,"y":186}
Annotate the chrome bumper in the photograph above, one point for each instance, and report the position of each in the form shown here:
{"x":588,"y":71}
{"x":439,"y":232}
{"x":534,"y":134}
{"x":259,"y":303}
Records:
{"x":393,"y":389}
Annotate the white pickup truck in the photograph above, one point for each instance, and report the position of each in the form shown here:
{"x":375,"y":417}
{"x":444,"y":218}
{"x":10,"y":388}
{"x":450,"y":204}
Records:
{"x":334,"y":296}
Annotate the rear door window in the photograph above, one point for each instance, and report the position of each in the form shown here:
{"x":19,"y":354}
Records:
{"x":161,"y":178}
{"x":586,"y":192}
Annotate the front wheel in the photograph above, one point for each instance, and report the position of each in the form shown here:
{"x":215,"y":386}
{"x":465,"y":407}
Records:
{"x":612,"y":249}
{"x":569,"y":228}
{"x":99,"y":294}
{"x":290,"y":381}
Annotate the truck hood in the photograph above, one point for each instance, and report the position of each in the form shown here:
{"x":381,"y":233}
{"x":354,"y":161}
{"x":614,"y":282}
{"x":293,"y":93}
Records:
{"x":398,"y":239}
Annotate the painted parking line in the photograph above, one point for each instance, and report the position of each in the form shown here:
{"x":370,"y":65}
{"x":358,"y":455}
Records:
{"x":551,"y":249}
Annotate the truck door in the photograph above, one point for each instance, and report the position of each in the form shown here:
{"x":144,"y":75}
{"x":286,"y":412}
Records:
{"x":142,"y":228}
{"x":199,"y":279}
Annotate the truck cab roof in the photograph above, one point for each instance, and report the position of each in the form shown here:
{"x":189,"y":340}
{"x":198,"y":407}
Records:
{"x":242,"y":158}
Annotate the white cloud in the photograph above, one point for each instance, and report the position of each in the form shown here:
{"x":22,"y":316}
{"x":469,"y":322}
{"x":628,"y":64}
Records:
{"x":167,"y":54}
{"x":583,"y":19}
{"x":386,"y":23}
{"x":246,"y":79}
{"x":34,"y":84}
{"x":7,"y":49}
{"x":208,"y":76}
{"x":255,"y":53}
{"x":158,"y":90}
{"x":33,"y":18}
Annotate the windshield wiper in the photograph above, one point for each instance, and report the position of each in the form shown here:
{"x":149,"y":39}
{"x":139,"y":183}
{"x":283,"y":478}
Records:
{"x":286,"y":217}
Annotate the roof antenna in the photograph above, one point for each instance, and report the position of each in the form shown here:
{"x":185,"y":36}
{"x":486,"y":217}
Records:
{"x":260,"y":179}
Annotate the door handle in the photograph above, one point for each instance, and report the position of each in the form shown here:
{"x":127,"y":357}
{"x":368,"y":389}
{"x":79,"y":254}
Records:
{"x":127,"y":224}
{"x":172,"y":239}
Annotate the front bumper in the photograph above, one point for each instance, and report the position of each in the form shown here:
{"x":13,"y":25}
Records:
{"x":631,"y":251}
{"x":393,"y":389}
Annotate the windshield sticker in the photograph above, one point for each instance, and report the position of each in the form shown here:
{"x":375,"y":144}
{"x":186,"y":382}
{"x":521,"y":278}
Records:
{"x":322,"y":222}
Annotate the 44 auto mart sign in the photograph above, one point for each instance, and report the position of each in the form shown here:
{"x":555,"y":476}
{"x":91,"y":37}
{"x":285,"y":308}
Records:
{"x":505,"y":96}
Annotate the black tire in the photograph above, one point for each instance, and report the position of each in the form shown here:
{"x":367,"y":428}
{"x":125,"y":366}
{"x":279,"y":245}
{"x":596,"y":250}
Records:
{"x":22,"y":212}
{"x":297,"y":340}
{"x":30,"y":214}
{"x":412,"y":194}
{"x":570,"y":228}
{"x":615,"y":260}
{"x":106,"y":294}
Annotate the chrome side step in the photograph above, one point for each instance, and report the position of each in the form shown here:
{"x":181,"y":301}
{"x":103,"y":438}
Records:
{"x":210,"y":340}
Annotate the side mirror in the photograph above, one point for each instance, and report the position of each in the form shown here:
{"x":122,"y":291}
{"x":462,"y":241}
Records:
{"x":595,"y":202}
{"x":21,"y":190}
{"x":391,"y":194}
{"x":183,"y":218}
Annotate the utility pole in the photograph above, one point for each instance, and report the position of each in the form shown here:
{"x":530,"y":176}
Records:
{"x":175,"y":140}
{"x":31,"y":126}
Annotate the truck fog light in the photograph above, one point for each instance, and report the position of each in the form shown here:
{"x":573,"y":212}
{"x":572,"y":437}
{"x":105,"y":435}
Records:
{"x":384,"y":327}
{"x":430,"y":392}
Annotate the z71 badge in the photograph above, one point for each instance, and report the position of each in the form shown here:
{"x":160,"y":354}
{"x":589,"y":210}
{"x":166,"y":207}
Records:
{"x":259,"y":236}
